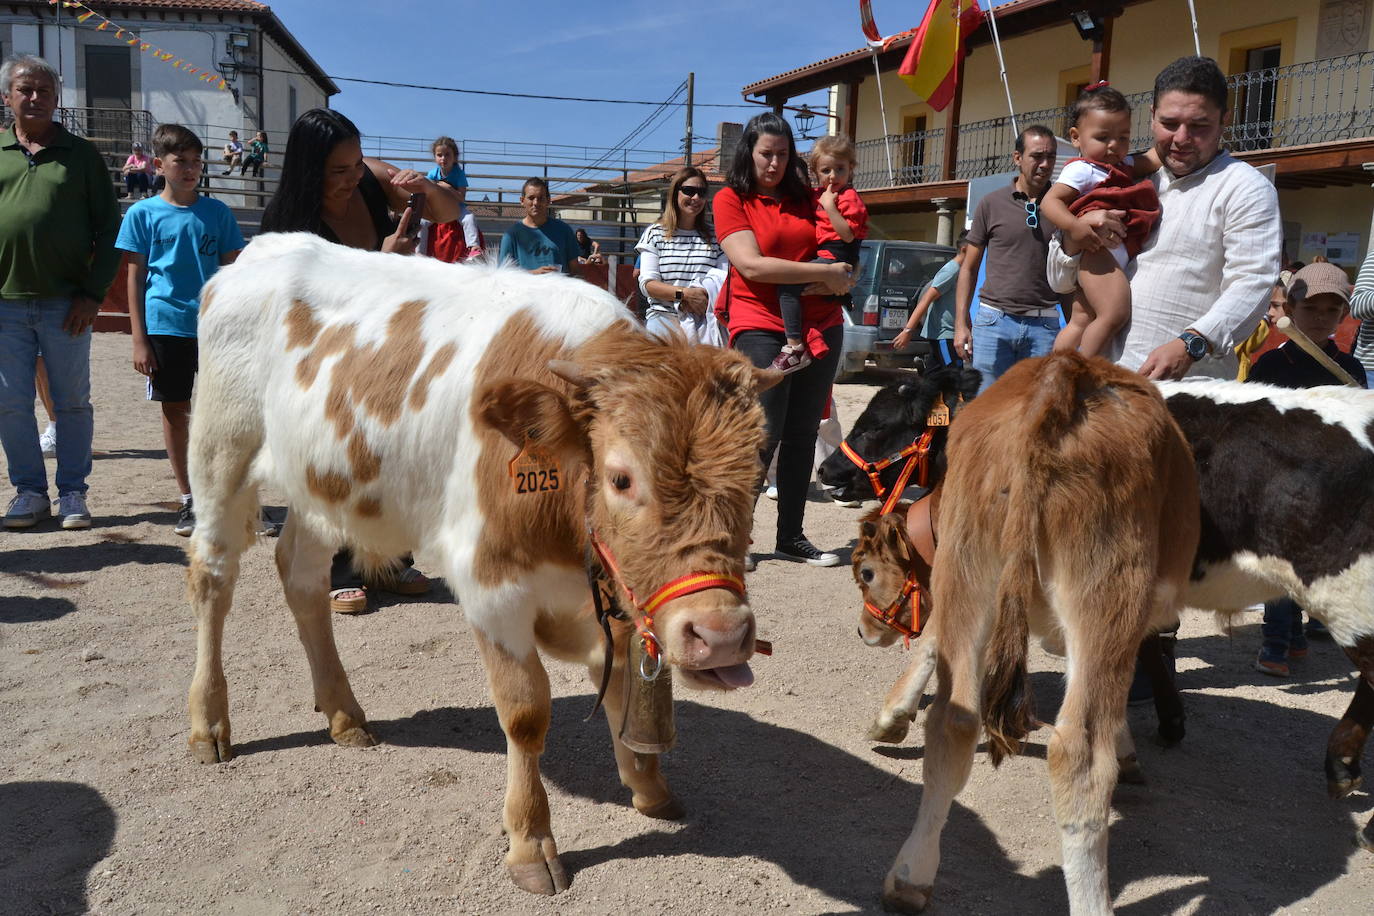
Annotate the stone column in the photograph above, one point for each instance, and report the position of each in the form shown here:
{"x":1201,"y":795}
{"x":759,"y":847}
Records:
{"x":944,"y":216}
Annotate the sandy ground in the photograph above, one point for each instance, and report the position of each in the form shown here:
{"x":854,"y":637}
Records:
{"x":789,"y":808}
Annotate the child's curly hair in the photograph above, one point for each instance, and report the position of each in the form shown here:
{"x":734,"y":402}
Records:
{"x":837,"y":146}
{"x":1099,"y":97}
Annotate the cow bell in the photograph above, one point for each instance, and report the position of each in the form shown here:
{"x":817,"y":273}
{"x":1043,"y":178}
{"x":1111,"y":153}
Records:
{"x":648,"y":726}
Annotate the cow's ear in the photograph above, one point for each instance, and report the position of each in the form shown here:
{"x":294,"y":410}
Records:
{"x":868,"y":530}
{"x":766,"y":378}
{"x":526,"y":411}
{"x":893,"y":529}
{"x":570,"y":372}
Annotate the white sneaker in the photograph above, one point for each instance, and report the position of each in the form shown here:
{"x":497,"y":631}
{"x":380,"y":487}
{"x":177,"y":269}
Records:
{"x":771,"y":493}
{"x":27,"y":509}
{"x":72,"y":508}
{"x":48,"y":442}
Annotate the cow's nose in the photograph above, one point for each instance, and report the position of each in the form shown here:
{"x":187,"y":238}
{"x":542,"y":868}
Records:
{"x":710,"y":647}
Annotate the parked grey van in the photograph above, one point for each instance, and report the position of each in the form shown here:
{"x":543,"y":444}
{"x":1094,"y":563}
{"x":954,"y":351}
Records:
{"x":891,"y":275}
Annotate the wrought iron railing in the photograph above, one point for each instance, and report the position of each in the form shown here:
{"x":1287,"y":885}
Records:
{"x":1320,"y":101}
{"x":916,"y":158}
{"x":112,"y":130}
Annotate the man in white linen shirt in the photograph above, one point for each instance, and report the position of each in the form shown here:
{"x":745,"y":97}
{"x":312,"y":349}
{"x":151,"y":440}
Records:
{"x":1203,"y":279}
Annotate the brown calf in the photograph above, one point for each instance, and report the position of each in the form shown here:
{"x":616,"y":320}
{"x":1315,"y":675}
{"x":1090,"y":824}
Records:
{"x":1070,"y":505}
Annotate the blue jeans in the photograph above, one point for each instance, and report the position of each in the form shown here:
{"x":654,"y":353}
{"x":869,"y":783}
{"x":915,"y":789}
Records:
{"x":28,"y":327}
{"x":999,"y":340}
{"x":1282,"y":629}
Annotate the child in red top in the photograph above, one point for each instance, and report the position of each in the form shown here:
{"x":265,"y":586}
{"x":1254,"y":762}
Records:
{"x":841,"y":224}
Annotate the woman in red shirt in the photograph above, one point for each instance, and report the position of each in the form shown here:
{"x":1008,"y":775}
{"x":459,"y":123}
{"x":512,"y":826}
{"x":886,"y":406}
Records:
{"x":765,"y":220}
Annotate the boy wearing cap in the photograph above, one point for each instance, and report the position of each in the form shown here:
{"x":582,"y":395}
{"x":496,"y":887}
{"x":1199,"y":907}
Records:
{"x":1318,"y":300}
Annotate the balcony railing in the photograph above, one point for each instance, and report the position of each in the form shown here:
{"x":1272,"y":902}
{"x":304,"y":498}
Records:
{"x":112,"y":130}
{"x":1321,"y":101}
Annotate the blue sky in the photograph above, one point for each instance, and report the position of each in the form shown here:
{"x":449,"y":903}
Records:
{"x":636,"y":49}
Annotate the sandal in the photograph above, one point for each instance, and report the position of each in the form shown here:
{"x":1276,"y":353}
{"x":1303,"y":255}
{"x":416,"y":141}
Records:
{"x":351,"y":599}
{"x":408,"y":581}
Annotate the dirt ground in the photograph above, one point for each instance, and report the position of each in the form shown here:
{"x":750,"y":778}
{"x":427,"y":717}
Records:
{"x":789,"y":808}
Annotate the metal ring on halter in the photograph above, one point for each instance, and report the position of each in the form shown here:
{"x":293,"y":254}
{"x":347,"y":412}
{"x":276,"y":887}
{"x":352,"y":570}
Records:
{"x":658,"y":666}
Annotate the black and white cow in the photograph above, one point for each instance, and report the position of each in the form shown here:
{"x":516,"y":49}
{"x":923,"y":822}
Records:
{"x":1286,"y":480}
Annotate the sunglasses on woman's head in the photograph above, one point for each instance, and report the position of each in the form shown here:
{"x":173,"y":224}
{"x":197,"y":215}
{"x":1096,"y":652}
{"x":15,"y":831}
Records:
{"x":691,"y":190}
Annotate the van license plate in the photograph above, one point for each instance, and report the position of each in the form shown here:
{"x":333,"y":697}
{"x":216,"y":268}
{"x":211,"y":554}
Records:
{"x":895,"y":318}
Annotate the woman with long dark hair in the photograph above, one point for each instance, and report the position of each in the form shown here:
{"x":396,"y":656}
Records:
{"x":329,"y":188}
{"x":765,"y":219}
{"x":681,"y":264}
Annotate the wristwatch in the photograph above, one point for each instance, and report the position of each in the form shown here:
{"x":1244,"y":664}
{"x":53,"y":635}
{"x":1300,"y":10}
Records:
{"x":677,"y":294}
{"x":1196,"y":345}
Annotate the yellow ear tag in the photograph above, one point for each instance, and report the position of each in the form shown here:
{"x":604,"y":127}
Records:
{"x":535,"y":470}
{"x":939,"y":414}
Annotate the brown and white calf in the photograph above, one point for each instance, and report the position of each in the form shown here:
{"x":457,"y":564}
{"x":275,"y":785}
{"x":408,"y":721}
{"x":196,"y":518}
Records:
{"x":493,"y":419}
{"x":1068,"y":507}
{"x":1286,"y":509}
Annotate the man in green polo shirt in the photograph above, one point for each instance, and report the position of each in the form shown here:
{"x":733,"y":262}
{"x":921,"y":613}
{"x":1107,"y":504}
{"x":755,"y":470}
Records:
{"x":58,"y":221}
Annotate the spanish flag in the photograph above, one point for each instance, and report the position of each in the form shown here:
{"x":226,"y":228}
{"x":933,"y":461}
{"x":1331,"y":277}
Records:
{"x":931,"y":64}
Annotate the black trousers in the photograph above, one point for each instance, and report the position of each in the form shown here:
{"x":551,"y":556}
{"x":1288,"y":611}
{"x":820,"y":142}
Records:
{"x":792,"y":411}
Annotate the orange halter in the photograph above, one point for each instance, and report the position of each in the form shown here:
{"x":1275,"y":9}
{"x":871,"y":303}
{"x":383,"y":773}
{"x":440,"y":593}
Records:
{"x":683,"y":585}
{"x":916,"y":455}
{"x":911,"y":589}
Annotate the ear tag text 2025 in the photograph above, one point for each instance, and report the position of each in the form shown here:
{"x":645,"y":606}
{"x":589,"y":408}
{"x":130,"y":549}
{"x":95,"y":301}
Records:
{"x":535,"y":470}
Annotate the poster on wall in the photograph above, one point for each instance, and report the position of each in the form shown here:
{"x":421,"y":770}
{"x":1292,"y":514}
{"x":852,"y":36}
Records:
{"x":1343,"y":248}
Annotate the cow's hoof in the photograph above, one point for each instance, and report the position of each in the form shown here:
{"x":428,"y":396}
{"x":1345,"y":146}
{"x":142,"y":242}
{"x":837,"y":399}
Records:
{"x":893,"y":732}
{"x":1365,"y":838}
{"x":901,"y":897}
{"x":1129,"y":771}
{"x":547,"y":878}
{"x":211,"y":750}
{"x":670,"y":809}
{"x":1171,"y":731}
{"x":357,"y":736}
{"x":1342,"y":776}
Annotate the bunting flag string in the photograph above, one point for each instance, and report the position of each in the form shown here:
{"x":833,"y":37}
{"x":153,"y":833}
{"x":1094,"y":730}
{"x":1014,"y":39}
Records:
{"x":169,"y":57}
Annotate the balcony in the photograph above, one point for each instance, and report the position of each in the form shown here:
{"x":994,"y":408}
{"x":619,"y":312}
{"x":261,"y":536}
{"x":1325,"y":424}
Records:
{"x":1323,"y":101}
{"x":112,"y":130}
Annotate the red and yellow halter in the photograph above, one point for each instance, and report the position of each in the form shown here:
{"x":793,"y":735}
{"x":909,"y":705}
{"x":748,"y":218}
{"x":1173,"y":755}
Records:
{"x":681,"y":586}
{"x":912,"y":591}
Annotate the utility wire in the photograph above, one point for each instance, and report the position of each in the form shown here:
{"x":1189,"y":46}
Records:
{"x":512,"y":95}
{"x":657,"y":114}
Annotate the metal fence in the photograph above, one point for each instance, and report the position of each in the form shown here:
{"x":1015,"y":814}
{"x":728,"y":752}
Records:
{"x":1320,"y":101}
{"x":112,"y":130}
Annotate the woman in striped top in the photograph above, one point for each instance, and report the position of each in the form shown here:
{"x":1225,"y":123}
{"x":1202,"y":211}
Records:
{"x":682,"y":267}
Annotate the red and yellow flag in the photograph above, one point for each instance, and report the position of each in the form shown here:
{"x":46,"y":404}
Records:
{"x":931,"y":64}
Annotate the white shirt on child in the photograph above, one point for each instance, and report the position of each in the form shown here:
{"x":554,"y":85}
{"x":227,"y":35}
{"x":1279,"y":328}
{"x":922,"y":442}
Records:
{"x":1083,"y":175}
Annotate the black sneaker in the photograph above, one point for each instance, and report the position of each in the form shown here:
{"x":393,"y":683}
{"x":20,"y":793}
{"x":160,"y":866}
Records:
{"x":186,"y":520}
{"x":803,"y":551}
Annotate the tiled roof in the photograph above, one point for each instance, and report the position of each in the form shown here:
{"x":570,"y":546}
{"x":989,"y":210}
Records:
{"x":1003,"y":10}
{"x":215,"y":6}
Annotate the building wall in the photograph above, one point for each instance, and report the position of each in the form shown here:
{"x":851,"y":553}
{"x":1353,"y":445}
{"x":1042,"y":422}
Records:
{"x":1038,"y":64}
{"x":276,"y":96}
{"x":912,"y":227}
{"x":1329,"y":210}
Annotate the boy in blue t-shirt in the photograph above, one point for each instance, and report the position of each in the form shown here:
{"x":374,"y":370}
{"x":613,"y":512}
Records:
{"x":176,"y":241}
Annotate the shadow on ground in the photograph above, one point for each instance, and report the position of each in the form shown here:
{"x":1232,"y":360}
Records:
{"x":51,"y":834}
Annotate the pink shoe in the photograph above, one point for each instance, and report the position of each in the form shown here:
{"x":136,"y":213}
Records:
{"x":793,"y":358}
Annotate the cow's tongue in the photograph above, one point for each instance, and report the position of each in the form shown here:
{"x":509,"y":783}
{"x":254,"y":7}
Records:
{"x":740,"y":675}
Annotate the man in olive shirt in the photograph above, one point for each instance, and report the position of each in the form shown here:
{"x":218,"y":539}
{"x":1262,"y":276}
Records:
{"x":58,"y":221}
{"x":1018,"y":313}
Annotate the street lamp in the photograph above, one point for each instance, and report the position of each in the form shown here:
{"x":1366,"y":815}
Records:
{"x":804,"y":119}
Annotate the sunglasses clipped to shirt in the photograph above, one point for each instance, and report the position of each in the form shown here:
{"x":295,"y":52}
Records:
{"x":1033,"y":214}
{"x":691,"y":190}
